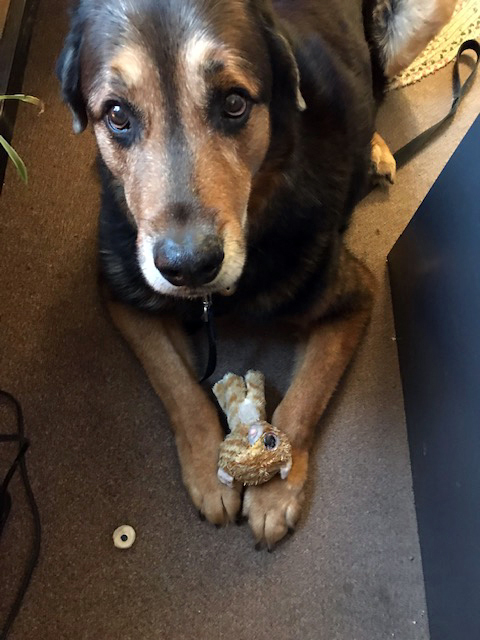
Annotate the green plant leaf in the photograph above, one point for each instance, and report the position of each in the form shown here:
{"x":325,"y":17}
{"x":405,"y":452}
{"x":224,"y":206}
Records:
{"x":15,"y":158}
{"x":12,"y":154}
{"x":22,"y":97}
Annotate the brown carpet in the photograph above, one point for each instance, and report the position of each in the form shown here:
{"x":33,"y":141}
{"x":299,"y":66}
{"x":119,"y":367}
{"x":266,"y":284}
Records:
{"x":102,"y":454}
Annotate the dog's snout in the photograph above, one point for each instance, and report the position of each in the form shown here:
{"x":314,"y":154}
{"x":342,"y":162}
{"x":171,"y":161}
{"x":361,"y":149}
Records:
{"x":189,"y":258}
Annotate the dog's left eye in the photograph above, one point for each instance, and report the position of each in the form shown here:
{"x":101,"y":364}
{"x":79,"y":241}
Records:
{"x":235,"y":105}
{"x":118,"y":118}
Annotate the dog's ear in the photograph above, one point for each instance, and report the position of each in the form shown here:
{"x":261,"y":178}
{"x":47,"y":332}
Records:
{"x":284,"y":64}
{"x":68,"y":72}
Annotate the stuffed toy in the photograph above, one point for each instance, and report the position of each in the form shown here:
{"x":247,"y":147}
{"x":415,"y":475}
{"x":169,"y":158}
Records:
{"x":254,"y":451}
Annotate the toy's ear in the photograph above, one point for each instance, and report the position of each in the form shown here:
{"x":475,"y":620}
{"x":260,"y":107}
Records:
{"x":68,"y":72}
{"x":286,"y":75}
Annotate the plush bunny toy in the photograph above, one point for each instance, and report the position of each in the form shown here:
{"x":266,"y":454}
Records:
{"x":254,"y":451}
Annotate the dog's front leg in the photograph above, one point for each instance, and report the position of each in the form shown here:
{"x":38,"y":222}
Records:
{"x":274,"y":508}
{"x":162,"y":348}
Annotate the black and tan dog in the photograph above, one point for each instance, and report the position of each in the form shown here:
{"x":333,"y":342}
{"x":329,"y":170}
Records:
{"x":235,"y":139}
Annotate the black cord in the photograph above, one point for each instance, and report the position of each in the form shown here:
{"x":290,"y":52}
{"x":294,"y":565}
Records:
{"x":409,"y":150}
{"x":209,"y":322}
{"x":5,"y":505}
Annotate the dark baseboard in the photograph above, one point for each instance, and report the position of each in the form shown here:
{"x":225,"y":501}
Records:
{"x":434,"y":274}
{"x":14,"y":46}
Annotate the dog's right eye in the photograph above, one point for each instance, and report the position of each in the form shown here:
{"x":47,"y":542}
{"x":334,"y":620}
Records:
{"x":235,"y":105}
{"x":118,"y":118}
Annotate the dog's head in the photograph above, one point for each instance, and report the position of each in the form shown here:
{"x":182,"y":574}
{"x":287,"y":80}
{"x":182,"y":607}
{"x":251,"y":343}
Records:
{"x":182,"y":96}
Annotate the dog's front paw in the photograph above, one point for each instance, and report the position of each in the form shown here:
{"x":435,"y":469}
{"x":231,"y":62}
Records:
{"x":383,"y":165}
{"x":273,"y":508}
{"x":215,"y":501}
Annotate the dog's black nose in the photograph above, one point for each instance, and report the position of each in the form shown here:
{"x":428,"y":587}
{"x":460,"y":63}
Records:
{"x":189,"y":257}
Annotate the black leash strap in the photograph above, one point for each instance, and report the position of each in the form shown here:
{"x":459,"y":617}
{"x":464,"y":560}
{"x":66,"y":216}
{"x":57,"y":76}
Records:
{"x":207,"y":318}
{"x":408,"y":151}
{"x":6,"y":504}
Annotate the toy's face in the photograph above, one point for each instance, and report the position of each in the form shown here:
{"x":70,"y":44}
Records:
{"x":265,"y":445}
{"x":255,"y":457}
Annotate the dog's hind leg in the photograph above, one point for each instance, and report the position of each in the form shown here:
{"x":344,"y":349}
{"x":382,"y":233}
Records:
{"x":162,"y":348}
{"x":274,"y":507}
{"x":383,"y":165}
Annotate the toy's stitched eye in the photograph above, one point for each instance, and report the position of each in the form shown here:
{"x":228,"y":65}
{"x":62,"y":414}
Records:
{"x":270,"y":441}
{"x":234,"y":105}
{"x":118,"y":118}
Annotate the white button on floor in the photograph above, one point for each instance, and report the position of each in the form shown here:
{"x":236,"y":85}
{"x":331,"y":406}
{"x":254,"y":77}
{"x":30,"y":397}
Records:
{"x":124,"y":537}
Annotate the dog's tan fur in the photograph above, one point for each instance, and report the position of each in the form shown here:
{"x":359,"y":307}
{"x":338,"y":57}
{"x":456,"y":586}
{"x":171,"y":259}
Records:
{"x":132,"y":70}
{"x":161,"y":346}
{"x":324,"y":353}
{"x":222,"y":173}
{"x":383,"y":162}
